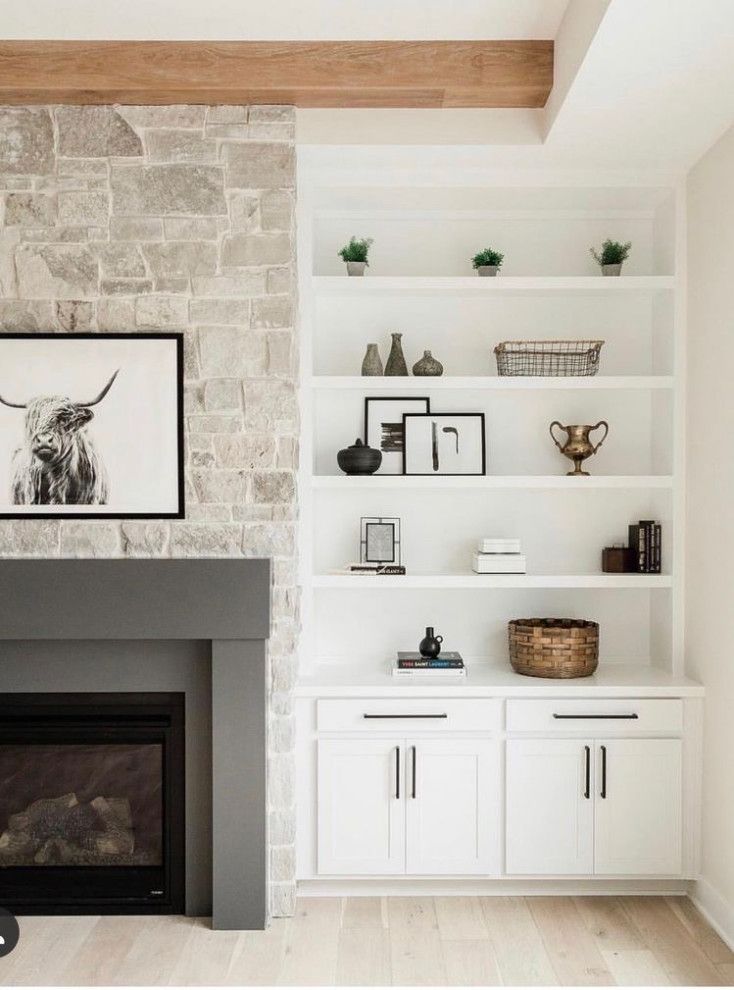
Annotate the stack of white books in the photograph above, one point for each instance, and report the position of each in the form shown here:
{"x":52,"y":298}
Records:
{"x":497,"y":555}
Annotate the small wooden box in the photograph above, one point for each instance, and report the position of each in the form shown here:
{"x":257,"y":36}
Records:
{"x":616,"y":560}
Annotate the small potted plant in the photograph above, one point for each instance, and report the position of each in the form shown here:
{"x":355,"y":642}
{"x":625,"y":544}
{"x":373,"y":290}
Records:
{"x":488,"y":262}
{"x":612,"y":255}
{"x":355,"y":254}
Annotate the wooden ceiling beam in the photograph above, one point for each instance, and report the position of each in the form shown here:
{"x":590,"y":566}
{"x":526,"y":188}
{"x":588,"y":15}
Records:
{"x":423,"y":74}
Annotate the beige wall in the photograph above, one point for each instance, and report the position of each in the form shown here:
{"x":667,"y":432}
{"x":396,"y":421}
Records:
{"x":710,"y":533}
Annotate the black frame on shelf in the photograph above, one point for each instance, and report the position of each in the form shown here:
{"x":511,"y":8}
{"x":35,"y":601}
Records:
{"x":393,"y":522}
{"x":446,"y":474}
{"x":390,"y":398}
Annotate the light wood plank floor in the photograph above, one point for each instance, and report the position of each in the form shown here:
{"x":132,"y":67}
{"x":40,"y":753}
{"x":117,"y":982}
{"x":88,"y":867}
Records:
{"x":372,"y":941}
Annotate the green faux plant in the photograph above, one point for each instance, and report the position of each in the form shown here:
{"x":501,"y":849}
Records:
{"x":356,"y":250}
{"x":488,"y":258}
{"x":612,"y":253}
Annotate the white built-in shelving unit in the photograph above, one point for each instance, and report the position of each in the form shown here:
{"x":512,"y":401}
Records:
{"x":420,"y":282}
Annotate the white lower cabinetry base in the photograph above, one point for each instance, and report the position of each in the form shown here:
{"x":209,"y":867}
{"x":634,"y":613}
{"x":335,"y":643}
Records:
{"x":716,"y":910}
{"x":462,"y":887}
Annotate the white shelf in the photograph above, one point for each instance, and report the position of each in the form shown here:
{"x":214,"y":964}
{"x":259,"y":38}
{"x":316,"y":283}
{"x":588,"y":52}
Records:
{"x":495,"y":679}
{"x":487,"y":382}
{"x":342,"y":285}
{"x":343,"y":482}
{"x":446,"y":582}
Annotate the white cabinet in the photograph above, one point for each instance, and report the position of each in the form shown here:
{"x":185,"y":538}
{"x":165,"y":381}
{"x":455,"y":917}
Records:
{"x":603,"y":807}
{"x":550,"y":813}
{"x":361,"y":806}
{"x":638,"y":810}
{"x":408,"y":805}
{"x":451,"y":806}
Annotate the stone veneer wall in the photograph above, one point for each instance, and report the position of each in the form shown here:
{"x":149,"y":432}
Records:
{"x":176,"y":218}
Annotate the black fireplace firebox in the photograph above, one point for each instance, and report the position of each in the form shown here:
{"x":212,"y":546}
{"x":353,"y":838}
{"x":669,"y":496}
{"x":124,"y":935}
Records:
{"x":92,"y":803}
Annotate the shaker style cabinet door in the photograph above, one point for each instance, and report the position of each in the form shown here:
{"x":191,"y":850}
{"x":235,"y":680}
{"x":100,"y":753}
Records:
{"x":638,"y":807}
{"x":361,"y":806}
{"x":549,"y":807}
{"x":452,"y":801}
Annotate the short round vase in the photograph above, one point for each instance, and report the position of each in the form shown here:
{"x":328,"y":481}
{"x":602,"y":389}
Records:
{"x":487,"y":271}
{"x":430,"y":646}
{"x":359,"y":459}
{"x":427,"y":366}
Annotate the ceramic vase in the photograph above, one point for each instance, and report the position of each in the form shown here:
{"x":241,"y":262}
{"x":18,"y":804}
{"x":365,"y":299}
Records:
{"x":372,"y":363}
{"x":612,"y":269}
{"x":356,"y":267}
{"x":487,"y":271}
{"x":359,"y":459}
{"x":430,"y":646}
{"x":396,"y":361}
{"x":428,"y":366}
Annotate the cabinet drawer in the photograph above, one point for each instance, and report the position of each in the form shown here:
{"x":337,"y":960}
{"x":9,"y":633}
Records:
{"x":411,"y":715}
{"x":613,"y":716}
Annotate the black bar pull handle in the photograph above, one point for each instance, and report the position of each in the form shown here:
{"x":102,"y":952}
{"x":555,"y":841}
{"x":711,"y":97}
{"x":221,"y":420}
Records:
{"x":398,"y":715}
{"x":413,"y":754}
{"x":629,"y":715}
{"x":603,"y":792}
{"x":587,"y":772}
{"x":397,"y":773}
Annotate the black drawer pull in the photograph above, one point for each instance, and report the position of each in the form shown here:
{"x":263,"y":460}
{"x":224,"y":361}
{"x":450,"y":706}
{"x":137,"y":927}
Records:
{"x":632,"y":715}
{"x":587,"y":772}
{"x":443,"y":715}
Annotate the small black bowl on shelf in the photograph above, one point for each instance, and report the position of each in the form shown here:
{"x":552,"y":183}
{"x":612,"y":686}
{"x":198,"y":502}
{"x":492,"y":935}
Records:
{"x":359,"y":458}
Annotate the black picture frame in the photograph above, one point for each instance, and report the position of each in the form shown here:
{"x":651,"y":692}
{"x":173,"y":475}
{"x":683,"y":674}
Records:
{"x":179,"y":512}
{"x":482,"y":459}
{"x":391,"y":523}
{"x":387,"y":455}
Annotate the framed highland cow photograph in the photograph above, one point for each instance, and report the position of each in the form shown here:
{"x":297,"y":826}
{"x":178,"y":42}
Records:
{"x":91,"y":426}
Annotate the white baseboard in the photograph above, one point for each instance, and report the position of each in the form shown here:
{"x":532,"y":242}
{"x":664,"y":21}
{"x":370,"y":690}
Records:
{"x":716,"y":910}
{"x":438,"y":887}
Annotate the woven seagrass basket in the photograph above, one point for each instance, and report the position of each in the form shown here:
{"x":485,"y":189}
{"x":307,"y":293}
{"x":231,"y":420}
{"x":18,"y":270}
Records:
{"x":554,"y":647}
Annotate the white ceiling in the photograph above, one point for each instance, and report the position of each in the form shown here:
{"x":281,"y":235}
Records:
{"x":224,"y":20}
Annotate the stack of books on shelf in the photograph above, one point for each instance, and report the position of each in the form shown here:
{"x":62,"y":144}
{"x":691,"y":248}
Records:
{"x":376,"y":569}
{"x":410,"y":665}
{"x":645,"y":547}
{"x":499,"y":556}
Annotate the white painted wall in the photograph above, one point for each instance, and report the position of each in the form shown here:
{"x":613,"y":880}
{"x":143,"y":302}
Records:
{"x":710,"y":534}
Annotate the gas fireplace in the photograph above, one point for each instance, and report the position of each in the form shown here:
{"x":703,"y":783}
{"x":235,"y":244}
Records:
{"x":92,"y":802}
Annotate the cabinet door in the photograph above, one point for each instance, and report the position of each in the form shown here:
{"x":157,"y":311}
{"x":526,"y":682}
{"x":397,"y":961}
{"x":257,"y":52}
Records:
{"x":638,"y":807}
{"x":549,"y":819}
{"x":452,"y":799}
{"x":361,"y":811}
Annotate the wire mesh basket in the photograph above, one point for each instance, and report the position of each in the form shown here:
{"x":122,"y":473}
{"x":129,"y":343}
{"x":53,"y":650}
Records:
{"x":548,"y":358}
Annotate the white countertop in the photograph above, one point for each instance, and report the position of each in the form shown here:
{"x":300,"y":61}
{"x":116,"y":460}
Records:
{"x":611,"y":680}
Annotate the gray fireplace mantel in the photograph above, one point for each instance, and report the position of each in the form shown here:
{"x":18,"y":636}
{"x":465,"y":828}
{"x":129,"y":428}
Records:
{"x":225,"y":602}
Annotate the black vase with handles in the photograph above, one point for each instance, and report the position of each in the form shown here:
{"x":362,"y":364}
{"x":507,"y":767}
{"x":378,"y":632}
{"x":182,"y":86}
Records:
{"x":430,"y":646}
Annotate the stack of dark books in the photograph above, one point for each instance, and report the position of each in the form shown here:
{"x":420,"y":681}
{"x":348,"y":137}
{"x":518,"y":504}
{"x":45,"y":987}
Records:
{"x":645,"y":555}
{"x":413,"y":664}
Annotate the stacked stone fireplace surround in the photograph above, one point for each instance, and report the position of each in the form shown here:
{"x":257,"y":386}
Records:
{"x":176,"y":218}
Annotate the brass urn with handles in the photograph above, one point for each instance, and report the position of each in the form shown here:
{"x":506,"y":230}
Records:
{"x":578,"y":446}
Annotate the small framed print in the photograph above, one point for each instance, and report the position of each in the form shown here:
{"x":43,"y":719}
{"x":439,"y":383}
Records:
{"x":383,"y":427}
{"x":379,"y":540}
{"x":444,"y":443}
